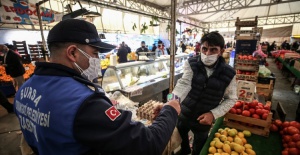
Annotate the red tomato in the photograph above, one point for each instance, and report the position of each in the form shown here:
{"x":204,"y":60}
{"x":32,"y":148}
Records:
{"x":232,"y":111}
{"x":238,"y":104}
{"x":287,"y":138}
{"x":267,"y":107}
{"x":293,"y":151}
{"x":238,"y":111}
{"x":246,"y":107}
{"x":239,"y":72}
{"x":259,"y":112}
{"x":292,"y":144}
{"x":265,"y":116}
{"x":256,"y":116}
{"x":285,"y":124}
{"x":292,"y":130}
{"x":285,"y":145}
{"x":260,"y":104}
{"x":294,"y":123}
{"x":296,"y":137}
{"x":265,"y":111}
{"x":250,"y":57}
{"x":284,"y":153}
{"x":273,"y":128}
{"x":254,"y":58}
{"x":245,"y":57}
{"x":252,"y":111}
{"x":298,"y":144}
{"x":248,"y":73}
{"x":278,"y":123}
{"x":281,"y":132}
{"x":240,"y":57}
{"x":246,"y":113}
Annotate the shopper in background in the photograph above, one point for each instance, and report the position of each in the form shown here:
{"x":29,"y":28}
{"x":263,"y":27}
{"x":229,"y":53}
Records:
{"x":127,"y":47}
{"x":295,"y":45}
{"x":153,"y":48}
{"x":207,"y":90}
{"x":197,"y":48}
{"x":122,"y":53}
{"x":183,"y":47}
{"x":13,"y":66}
{"x":143,"y":48}
{"x":75,"y":116}
{"x":284,"y":45}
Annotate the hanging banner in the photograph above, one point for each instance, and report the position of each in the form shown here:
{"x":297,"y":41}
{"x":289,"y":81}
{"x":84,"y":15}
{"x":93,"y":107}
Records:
{"x":22,"y":12}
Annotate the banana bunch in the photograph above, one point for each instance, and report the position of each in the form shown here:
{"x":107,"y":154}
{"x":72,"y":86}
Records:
{"x":104,"y":63}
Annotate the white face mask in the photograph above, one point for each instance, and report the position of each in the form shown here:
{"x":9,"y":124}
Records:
{"x":209,"y":60}
{"x":94,"y":67}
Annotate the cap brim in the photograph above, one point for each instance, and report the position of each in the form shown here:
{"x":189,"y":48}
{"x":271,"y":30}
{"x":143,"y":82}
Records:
{"x":103,"y":47}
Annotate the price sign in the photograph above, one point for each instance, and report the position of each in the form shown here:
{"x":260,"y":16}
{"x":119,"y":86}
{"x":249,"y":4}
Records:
{"x":245,"y":90}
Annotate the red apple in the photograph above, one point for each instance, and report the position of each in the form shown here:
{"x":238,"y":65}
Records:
{"x":267,"y":107}
{"x":246,"y":107}
{"x":296,"y":137}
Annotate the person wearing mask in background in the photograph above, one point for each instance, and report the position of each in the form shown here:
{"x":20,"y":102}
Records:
{"x":183,"y":47}
{"x":77,"y":116}
{"x":197,"y":48}
{"x":153,"y":48}
{"x":207,"y":90}
{"x":122,"y":53}
{"x":13,"y":66}
{"x":284,"y":45}
{"x":143,"y":48}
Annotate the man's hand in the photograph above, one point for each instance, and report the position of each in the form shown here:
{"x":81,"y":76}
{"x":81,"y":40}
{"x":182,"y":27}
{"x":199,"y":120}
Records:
{"x":156,"y":110}
{"x":175,"y":104}
{"x":206,"y":118}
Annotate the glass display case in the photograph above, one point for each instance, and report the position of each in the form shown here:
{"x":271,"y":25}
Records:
{"x":134,"y":73}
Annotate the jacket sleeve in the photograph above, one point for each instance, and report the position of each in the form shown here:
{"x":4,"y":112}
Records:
{"x":93,"y":128}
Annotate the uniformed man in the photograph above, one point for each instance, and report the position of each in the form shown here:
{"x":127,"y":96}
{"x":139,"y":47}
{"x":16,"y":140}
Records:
{"x":62,"y":112}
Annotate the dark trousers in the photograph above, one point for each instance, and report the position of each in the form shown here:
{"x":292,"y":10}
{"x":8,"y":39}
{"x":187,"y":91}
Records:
{"x":200,"y":137}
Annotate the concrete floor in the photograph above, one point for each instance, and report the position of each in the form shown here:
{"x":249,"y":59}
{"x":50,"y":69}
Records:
{"x":283,"y":92}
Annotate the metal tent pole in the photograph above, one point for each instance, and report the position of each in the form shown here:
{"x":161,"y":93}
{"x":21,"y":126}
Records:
{"x":41,"y":27}
{"x":173,"y":44}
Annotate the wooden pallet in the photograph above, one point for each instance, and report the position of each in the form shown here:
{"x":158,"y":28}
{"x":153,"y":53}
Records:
{"x":258,"y":126}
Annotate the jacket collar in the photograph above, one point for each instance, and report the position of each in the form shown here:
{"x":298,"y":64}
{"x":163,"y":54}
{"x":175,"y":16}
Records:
{"x":54,"y":69}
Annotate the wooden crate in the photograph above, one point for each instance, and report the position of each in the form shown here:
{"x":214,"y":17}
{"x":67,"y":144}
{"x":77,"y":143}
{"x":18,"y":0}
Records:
{"x":246,"y":68}
{"x":266,"y":90}
{"x":247,"y":77}
{"x":259,"y":126}
{"x":247,"y":62}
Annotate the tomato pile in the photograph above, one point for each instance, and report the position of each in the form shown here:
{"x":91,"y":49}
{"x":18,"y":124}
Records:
{"x":290,"y":132}
{"x":253,"y":109}
{"x":246,"y":57}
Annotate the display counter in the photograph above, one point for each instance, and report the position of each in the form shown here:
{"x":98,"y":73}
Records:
{"x":142,"y":80}
{"x":271,"y":145}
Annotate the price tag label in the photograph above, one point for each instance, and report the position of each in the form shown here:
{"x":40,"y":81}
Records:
{"x":245,"y":90}
{"x":137,"y":92}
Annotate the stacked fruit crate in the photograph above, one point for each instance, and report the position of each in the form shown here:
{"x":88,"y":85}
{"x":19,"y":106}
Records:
{"x":246,"y":67}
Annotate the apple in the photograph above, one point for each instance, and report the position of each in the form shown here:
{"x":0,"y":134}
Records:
{"x":238,"y":104}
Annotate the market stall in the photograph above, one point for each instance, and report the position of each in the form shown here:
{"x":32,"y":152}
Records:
{"x":142,"y":80}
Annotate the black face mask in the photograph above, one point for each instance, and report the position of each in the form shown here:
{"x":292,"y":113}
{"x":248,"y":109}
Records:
{"x":143,"y":46}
